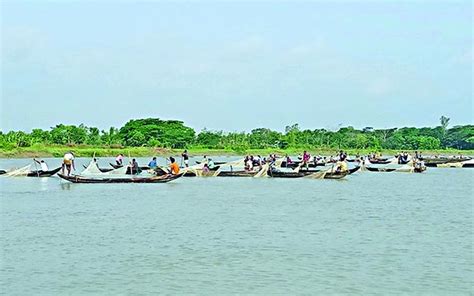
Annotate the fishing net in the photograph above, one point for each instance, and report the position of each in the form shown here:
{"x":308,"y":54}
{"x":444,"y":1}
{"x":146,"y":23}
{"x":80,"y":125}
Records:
{"x":318,"y":175}
{"x":19,"y":172}
{"x":263,"y":171}
{"x":91,"y":169}
{"x":450,"y":165}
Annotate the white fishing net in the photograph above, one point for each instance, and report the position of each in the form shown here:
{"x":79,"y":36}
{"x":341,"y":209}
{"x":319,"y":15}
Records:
{"x":19,"y":172}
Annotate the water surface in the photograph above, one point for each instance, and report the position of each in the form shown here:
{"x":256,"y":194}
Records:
{"x":373,"y":233}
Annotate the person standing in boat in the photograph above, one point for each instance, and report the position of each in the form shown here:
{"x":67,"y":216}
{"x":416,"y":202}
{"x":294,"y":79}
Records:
{"x":153,"y":164}
{"x":185,"y":157}
{"x":68,"y":163}
{"x":174,"y":167}
{"x":42,"y":163}
{"x":119,"y":159}
{"x":306,"y":158}
{"x":289,"y":162}
{"x":134,"y":168}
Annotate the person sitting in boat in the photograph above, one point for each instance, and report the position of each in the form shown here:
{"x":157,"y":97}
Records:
{"x":205,"y":168}
{"x":153,"y":164}
{"x":210,"y":163}
{"x":341,"y":166}
{"x":288,"y":160}
{"x":68,"y":163}
{"x":42,"y":163}
{"x":174,"y":167}
{"x":119,"y":159}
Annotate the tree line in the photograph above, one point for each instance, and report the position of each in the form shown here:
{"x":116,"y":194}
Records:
{"x":154,"y":132}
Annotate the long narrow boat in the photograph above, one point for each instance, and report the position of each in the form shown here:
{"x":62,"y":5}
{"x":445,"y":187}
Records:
{"x":353,"y":170}
{"x":237,"y":174}
{"x":193,"y":174}
{"x":215,"y":162}
{"x":43,"y":173}
{"x":115,"y":166}
{"x":155,"y":179}
{"x":103,"y":170}
{"x":281,"y":174}
{"x":336,"y":175}
{"x":2,"y":172}
{"x":386,"y":170}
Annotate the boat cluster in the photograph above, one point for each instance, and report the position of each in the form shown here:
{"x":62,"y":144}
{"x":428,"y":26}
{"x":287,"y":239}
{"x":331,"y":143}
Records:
{"x":315,"y":167}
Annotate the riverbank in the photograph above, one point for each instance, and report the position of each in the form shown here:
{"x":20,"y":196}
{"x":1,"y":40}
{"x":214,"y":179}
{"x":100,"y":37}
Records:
{"x":90,"y":151}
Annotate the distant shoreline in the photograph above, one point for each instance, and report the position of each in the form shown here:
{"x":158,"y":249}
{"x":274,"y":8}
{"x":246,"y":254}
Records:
{"x":90,"y":151}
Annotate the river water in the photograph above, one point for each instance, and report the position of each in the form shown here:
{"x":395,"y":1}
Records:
{"x":369,"y":234}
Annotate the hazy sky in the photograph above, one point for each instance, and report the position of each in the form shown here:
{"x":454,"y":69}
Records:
{"x":236,"y":66}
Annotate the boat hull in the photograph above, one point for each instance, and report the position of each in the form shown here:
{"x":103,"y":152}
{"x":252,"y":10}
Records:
{"x":157,"y":179}
{"x":43,"y":173}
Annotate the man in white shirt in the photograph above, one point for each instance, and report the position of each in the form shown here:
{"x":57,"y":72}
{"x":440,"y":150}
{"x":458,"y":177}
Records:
{"x":42,"y":163}
{"x":68,"y":163}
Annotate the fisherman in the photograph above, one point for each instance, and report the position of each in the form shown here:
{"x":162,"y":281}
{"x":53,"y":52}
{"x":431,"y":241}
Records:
{"x":185,"y":157}
{"x":288,"y":160}
{"x":42,"y":163}
{"x":68,"y":163}
{"x":306,"y":158}
{"x":119,"y":159}
{"x":153,"y":164}
{"x":134,"y":168}
{"x":248,"y":164}
{"x":174,"y":167}
{"x":205,"y":168}
{"x":210,"y":164}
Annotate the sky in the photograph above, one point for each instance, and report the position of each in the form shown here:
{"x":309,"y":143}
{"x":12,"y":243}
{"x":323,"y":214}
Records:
{"x":235,"y":66}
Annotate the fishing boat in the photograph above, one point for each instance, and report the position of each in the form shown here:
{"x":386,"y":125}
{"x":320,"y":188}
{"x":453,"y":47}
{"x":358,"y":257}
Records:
{"x":115,"y":166}
{"x":336,"y":175}
{"x":103,"y":170}
{"x":379,"y":161}
{"x":40,"y":173}
{"x":216,"y":162}
{"x":275,"y":173}
{"x":191,"y":173}
{"x":353,"y":170}
{"x":2,"y":172}
{"x":237,"y":173}
{"x":109,"y":179}
{"x":386,"y":170}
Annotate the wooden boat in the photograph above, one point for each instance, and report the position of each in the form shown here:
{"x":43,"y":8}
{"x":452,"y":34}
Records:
{"x":115,"y":166}
{"x":237,"y":174}
{"x":2,"y":172}
{"x":433,"y":162}
{"x":297,"y":164}
{"x":353,"y":170}
{"x":155,"y":179}
{"x":103,"y":170}
{"x":336,"y":175}
{"x":192,"y":174}
{"x":40,"y":173}
{"x":279,"y":174}
{"x":387,"y":170}
{"x":215,"y":162}
{"x":378,"y":161}
{"x":468,"y":165}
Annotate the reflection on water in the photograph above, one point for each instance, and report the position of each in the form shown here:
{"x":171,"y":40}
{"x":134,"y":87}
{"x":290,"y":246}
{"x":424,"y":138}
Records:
{"x":372,"y":233}
{"x":66,"y":186}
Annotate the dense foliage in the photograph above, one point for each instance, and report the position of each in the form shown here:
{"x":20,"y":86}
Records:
{"x":153,"y":132}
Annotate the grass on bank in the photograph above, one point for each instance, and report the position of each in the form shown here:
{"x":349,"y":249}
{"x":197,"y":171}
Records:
{"x":103,"y":151}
